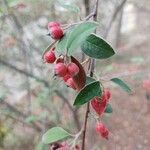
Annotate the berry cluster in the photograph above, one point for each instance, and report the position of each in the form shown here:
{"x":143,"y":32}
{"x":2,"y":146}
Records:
{"x":61,"y":68}
{"x":99,"y":105}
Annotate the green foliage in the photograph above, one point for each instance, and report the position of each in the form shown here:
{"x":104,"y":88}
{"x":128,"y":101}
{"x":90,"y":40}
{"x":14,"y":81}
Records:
{"x":108,"y":108}
{"x":122,"y":84}
{"x":96,"y":47}
{"x":54,"y":134}
{"x":79,"y":34}
{"x":61,"y":45}
{"x":87,"y":93}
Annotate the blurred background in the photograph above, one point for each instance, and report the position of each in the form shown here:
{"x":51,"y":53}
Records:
{"x":30,"y":98}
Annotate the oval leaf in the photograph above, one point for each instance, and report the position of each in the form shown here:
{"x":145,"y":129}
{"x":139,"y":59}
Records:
{"x":80,"y":78}
{"x":87,"y":93}
{"x":96,"y":47}
{"x":79,"y":34}
{"x":123,"y":85}
{"x":108,"y":108}
{"x":54,"y":134}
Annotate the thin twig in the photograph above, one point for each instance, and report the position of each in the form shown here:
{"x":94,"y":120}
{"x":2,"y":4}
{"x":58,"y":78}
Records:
{"x":92,"y":66}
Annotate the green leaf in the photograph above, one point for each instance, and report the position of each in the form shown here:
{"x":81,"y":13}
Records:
{"x":123,"y":85}
{"x":54,"y":134}
{"x":87,"y":93}
{"x":61,"y":45}
{"x":96,"y":47}
{"x":89,"y":80}
{"x":79,"y":34}
{"x":108,"y":108}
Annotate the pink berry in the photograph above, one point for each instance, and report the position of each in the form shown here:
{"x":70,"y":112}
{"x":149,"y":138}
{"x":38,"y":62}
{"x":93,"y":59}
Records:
{"x":56,"y":32}
{"x":66,"y":77}
{"x":60,"y":69}
{"x":98,"y":105}
{"x":106,"y":95}
{"x":100,"y":128}
{"x":53,"y":24}
{"x":49,"y":56}
{"x":73,"y":69}
{"x":146,"y":84}
{"x":71,"y":83}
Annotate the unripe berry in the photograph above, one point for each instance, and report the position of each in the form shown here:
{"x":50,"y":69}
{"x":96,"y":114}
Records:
{"x":53,"y":24}
{"x":66,"y":77}
{"x":71,"y":83}
{"x":49,"y":56}
{"x":100,"y":128}
{"x":73,"y":69}
{"x":98,"y":105}
{"x":60,"y":69}
{"x":106,"y":95}
{"x":56,"y":32}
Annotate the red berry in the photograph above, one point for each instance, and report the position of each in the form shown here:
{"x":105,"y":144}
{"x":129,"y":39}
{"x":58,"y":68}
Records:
{"x":98,"y":105}
{"x":71,"y":83}
{"x":146,"y":84}
{"x":73,"y":69}
{"x":53,"y":24}
{"x":100,"y":128}
{"x":106,"y":95}
{"x":60,"y":69}
{"x":49,"y":56}
{"x":56,"y":32}
{"x":66,"y":77}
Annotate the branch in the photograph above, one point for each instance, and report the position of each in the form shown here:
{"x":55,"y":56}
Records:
{"x":92,"y":66}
